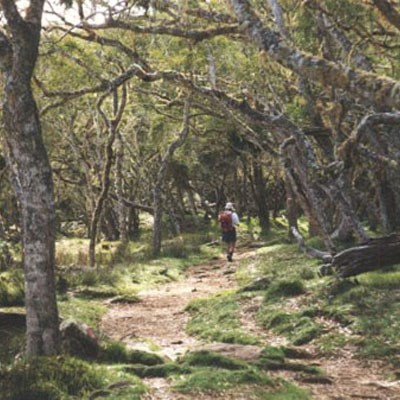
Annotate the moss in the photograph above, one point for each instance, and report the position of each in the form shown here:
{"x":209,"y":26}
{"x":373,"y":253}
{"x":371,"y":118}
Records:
{"x":161,"y":371}
{"x":206,"y":358}
{"x":216,"y":319}
{"x":219,"y":380}
{"x":119,"y":353}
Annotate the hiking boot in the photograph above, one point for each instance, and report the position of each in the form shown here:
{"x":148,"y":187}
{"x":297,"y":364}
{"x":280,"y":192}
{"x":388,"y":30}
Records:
{"x":229,"y":257}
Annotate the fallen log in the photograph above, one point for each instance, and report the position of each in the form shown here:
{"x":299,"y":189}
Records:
{"x":371,"y":255}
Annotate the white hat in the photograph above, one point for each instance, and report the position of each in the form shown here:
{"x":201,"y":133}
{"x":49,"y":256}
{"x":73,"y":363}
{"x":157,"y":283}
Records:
{"x":229,"y":206}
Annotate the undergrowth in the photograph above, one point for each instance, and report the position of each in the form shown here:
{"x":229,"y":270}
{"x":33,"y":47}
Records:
{"x":364,"y":312}
{"x":12,"y":288}
{"x":58,"y":378}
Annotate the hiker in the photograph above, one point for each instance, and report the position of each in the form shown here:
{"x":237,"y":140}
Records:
{"x":228,"y":220}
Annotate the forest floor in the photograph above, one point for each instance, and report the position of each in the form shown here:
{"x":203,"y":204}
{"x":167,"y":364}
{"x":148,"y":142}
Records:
{"x":158,"y":322}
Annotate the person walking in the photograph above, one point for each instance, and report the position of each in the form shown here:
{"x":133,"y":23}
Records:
{"x":228,"y":220}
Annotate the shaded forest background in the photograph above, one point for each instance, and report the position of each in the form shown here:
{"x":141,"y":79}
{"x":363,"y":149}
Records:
{"x":127,"y":125}
{"x":111,"y":99}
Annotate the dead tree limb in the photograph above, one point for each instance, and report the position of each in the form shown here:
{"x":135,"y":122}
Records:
{"x":310,"y":251}
{"x":371,"y":255}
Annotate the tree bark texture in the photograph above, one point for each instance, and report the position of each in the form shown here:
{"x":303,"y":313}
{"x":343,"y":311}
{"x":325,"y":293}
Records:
{"x":31,"y":175}
{"x":369,"y":256}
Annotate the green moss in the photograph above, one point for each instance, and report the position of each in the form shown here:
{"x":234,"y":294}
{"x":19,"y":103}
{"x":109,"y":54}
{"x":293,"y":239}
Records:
{"x":219,"y":380}
{"x":206,"y":358}
{"x":161,"y":371}
{"x":119,"y":353}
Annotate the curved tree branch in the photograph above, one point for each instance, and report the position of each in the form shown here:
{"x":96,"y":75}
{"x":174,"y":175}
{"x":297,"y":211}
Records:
{"x":369,"y":88}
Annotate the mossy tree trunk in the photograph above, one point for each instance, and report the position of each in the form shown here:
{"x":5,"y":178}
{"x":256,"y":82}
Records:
{"x":31,"y":174}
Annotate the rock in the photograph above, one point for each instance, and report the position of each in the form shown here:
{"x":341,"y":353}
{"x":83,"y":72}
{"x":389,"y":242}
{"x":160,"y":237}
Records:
{"x":79,"y":340}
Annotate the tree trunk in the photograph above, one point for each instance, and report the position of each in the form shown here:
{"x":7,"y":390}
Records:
{"x":369,"y":256}
{"x":31,"y":175}
{"x":291,"y":207}
{"x":261,"y":198}
{"x":158,"y":187}
{"x":133,"y":223}
{"x":119,"y":189}
{"x":112,"y":126}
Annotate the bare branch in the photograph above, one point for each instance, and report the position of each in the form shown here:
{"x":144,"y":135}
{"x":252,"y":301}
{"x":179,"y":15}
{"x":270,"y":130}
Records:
{"x":389,"y":11}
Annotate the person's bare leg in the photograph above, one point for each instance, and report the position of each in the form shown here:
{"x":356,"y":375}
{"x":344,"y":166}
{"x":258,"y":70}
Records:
{"x":231,"y":249}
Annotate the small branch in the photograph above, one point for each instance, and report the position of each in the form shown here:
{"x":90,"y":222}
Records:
{"x":310,"y":251}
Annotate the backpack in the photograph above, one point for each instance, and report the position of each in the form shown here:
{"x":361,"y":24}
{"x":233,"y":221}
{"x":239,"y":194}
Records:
{"x":225,"y":221}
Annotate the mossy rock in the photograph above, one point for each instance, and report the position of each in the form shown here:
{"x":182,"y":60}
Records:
{"x":118,"y":352}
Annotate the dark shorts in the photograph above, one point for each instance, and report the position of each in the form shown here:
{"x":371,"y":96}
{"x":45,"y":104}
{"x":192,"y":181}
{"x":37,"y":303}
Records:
{"x":229,"y":237}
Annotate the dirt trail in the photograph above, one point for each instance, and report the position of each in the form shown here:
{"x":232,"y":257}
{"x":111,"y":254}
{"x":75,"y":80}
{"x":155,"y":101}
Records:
{"x":158,"y":322}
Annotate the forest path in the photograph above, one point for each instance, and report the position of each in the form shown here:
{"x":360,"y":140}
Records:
{"x":158,"y":322}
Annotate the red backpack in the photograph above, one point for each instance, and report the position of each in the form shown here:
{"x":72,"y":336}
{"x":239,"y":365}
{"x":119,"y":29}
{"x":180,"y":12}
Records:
{"x":225,"y":221}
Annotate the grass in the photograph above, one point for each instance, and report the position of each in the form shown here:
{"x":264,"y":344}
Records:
{"x":297,"y":327}
{"x":297,"y":304}
{"x":57,"y":378}
{"x":124,"y":270}
{"x":208,"y":372}
{"x":89,"y":312}
{"x":216,"y":319}
{"x":218,"y":380}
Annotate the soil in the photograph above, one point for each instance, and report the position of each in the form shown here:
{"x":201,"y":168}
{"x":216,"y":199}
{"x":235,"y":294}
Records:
{"x":158,"y":322}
